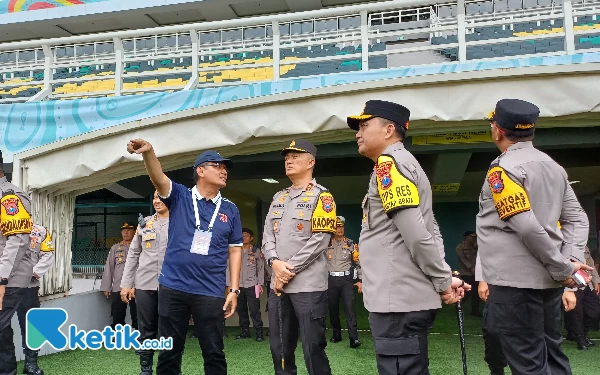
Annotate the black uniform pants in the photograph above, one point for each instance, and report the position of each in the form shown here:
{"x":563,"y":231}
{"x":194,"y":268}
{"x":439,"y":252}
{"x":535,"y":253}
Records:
{"x":10,"y":304}
{"x":147,"y":315}
{"x":527,"y":322}
{"x":174,"y":310}
{"x":586,"y":309}
{"x":247,"y":299}
{"x":30,"y":301}
{"x":342,"y":286}
{"x":400,"y":339}
{"x":304,"y":312}
{"x":494,"y":356}
{"x":473,"y":293}
{"x":118,"y":310}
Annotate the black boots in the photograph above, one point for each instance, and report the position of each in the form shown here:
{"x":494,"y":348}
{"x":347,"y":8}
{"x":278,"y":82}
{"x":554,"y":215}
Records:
{"x":259,"y":335}
{"x":581,"y":343}
{"x":244,"y":335}
{"x":31,"y":366}
{"x":146,"y":364}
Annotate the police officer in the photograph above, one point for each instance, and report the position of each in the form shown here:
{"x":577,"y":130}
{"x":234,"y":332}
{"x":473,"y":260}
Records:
{"x":586,"y":309}
{"x":41,"y":252}
{"x":403,"y":267}
{"x":524,"y":256}
{"x":343,"y":269}
{"x":466,"y":252}
{"x":142,"y":267}
{"x":16,"y":267}
{"x":251,"y":276}
{"x":297,"y":231}
{"x":111,"y":279}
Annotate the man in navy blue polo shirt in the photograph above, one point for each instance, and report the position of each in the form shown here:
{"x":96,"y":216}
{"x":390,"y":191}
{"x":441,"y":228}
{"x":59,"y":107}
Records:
{"x":204,"y":232}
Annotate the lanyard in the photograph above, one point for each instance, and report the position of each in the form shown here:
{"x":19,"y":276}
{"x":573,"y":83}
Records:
{"x":196,"y":195}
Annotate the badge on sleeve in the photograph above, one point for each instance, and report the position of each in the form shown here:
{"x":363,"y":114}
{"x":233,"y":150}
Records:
{"x":324,"y":216}
{"x":395,"y":190}
{"x":510,"y":198}
{"x":14,"y":218}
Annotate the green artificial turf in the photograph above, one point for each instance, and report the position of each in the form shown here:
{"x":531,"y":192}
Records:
{"x":248,"y":357}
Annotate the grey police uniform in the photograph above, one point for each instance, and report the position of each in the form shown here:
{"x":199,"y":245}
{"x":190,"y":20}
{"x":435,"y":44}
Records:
{"x":142,"y":267}
{"x":297,"y":230}
{"x":16,"y":267}
{"x":252,"y":274}
{"x":41,"y":252}
{"x":401,"y":253}
{"x":523,"y":253}
{"x":111,"y":282}
{"x":343,"y":273}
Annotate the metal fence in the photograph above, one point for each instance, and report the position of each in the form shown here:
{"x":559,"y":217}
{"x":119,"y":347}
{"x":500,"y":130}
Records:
{"x":279,"y":47}
{"x":96,"y":228}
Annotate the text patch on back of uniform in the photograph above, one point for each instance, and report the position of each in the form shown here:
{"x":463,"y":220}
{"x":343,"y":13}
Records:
{"x":395,"y":190}
{"x":324,"y":216}
{"x":509,"y":197}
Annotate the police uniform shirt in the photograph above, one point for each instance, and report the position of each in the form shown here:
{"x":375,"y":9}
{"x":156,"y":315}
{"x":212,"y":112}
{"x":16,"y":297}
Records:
{"x":41,"y":252}
{"x":341,"y":255}
{"x":114,"y":267}
{"x":194,"y":273}
{"x":401,"y":250}
{"x":297,"y":230}
{"x":15,"y":228}
{"x":146,"y":254}
{"x":252,"y":272}
{"x":466,"y":259}
{"x":523,"y":197}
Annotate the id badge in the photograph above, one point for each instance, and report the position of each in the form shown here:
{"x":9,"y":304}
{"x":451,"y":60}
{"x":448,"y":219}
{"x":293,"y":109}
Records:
{"x":201,"y":242}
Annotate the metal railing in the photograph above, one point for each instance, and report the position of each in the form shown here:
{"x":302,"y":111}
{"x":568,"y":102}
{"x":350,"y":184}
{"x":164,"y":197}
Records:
{"x":278,"y":47}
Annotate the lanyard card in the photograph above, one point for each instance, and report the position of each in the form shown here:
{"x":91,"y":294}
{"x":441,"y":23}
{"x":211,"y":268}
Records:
{"x":201,"y":242}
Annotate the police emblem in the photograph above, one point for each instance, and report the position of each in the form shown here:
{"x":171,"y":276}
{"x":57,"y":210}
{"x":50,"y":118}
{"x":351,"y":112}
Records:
{"x":383,"y":173}
{"x":300,"y":226}
{"x":495,"y":181}
{"x":327,"y":201}
{"x":11,"y":205}
{"x":309,"y":187}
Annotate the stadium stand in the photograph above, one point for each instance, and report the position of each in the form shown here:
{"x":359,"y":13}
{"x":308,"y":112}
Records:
{"x":310,"y":47}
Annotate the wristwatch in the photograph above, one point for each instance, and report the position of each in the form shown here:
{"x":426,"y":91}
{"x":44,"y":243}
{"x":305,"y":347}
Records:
{"x":3,"y":281}
{"x":236,"y":291}
{"x":270,"y":261}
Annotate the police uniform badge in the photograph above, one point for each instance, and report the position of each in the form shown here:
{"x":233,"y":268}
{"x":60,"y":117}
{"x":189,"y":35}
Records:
{"x":275,"y":226}
{"x":383,"y":173}
{"x":327,"y":201}
{"x":309,"y":187}
{"x":11,"y":205}
{"x":300,"y":226}
{"x":495,"y":181}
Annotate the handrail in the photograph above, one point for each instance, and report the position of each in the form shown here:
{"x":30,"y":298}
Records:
{"x":213,"y":25}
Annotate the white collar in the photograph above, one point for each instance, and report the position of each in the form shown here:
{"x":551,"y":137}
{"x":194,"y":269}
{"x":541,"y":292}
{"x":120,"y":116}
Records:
{"x":214,"y":200}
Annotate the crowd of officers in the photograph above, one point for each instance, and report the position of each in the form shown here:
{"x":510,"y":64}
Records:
{"x":531,"y":235}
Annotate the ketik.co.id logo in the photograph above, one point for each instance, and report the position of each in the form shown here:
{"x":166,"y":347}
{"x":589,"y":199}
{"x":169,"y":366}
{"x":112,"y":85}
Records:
{"x":44,"y":324}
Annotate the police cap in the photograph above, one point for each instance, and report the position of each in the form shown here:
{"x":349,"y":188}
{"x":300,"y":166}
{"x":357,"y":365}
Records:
{"x":515,"y":114}
{"x":340,"y":221}
{"x":300,"y":145}
{"x":127,"y":226}
{"x":380,"y":108}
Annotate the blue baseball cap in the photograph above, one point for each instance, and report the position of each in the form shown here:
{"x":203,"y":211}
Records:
{"x":212,"y":155}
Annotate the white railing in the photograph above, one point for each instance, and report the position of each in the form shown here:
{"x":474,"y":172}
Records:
{"x":281,"y":46}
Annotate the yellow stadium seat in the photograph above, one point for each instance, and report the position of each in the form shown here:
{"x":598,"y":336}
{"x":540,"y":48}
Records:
{"x":202,"y":79}
{"x":174,"y":81}
{"x":596,"y":26}
{"x":521,"y":34}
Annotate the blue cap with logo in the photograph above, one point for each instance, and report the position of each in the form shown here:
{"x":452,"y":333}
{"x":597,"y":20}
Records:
{"x":213,"y":156}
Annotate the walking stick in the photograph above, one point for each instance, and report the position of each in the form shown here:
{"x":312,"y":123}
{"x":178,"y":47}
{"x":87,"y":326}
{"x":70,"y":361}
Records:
{"x":279,"y":297}
{"x":461,"y":329}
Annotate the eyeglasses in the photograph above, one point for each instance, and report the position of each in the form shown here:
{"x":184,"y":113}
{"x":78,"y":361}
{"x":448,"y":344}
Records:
{"x":220,"y":166}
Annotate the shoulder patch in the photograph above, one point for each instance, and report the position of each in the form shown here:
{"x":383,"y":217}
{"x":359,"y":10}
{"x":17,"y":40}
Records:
{"x":46,"y":245}
{"x":324,"y":215}
{"x":395,"y":190}
{"x":510,"y":198}
{"x":14,"y":218}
